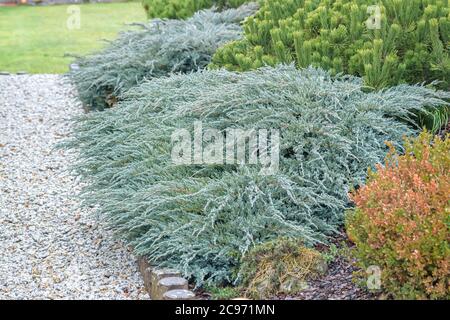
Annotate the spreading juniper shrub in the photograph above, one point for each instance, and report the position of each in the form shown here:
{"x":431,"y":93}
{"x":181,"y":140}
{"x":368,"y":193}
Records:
{"x":203,"y":218}
{"x":157,"y":49}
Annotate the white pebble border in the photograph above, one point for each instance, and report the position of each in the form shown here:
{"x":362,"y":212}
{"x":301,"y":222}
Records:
{"x":49,"y":249}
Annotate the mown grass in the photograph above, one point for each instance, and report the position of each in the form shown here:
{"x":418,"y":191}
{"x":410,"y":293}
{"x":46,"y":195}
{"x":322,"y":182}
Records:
{"x":36,"y":39}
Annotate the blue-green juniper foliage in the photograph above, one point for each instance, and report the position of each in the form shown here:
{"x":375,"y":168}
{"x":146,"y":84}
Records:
{"x":159,"y":48}
{"x":201,"y":219}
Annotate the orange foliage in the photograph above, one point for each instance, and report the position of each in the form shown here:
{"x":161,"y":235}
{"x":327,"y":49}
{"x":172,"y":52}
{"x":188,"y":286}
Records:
{"x":401,"y":221}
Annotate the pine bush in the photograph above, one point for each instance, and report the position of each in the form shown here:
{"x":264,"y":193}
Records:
{"x":411,"y":45}
{"x":160,"y":48}
{"x":182,"y":9}
{"x":201,"y":219}
{"x":401,"y":221}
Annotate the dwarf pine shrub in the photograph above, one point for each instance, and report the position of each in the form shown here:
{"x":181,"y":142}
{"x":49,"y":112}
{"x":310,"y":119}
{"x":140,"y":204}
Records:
{"x":181,"y":9}
{"x":396,"y":41}
{"x":401,"y":220}
{"x":160,"y":48}
{"x":202,"y":218}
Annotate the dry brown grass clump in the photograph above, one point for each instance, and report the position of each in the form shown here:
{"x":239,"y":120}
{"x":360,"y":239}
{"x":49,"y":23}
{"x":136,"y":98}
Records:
{"x":280,"y":266}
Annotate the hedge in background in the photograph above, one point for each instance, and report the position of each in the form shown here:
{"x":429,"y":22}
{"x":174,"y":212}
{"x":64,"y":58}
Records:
{"x":181,"y":9}
{"x":412,"y":45}
{"x":160,"y":48}
{"x":201,"y":219}
{"x":401,"y":222}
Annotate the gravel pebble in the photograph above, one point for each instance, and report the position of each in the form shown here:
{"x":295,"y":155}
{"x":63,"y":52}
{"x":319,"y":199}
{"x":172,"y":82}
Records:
{"x":50,"y":249}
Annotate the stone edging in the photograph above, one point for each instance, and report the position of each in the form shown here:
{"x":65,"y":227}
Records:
{"x":164,"y":284}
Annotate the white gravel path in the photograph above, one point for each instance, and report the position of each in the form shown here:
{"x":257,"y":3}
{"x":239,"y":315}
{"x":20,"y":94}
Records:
{"x":49,"y":249}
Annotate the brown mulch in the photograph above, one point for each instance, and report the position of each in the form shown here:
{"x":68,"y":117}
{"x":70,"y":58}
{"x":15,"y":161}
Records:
{"x":337,"y":284}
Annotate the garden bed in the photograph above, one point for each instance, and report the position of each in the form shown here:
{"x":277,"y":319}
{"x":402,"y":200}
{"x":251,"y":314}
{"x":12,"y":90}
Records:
{"x":283,"y":150}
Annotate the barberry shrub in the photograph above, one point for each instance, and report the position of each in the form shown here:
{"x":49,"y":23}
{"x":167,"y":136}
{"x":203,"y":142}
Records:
{"x":407,"y":41}
{"x":181,"y":9}
{"x":401,"y":221}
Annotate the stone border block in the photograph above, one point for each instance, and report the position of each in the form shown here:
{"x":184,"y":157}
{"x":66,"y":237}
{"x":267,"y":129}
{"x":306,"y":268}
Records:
{"x":167,"y":284}
{"x":179,"y":294}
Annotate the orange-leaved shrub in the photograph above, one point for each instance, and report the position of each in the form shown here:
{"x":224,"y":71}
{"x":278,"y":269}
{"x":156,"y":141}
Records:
{"x":401,"y":220}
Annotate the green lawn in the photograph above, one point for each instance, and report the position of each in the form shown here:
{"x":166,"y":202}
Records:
{"x":35,"y":39}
